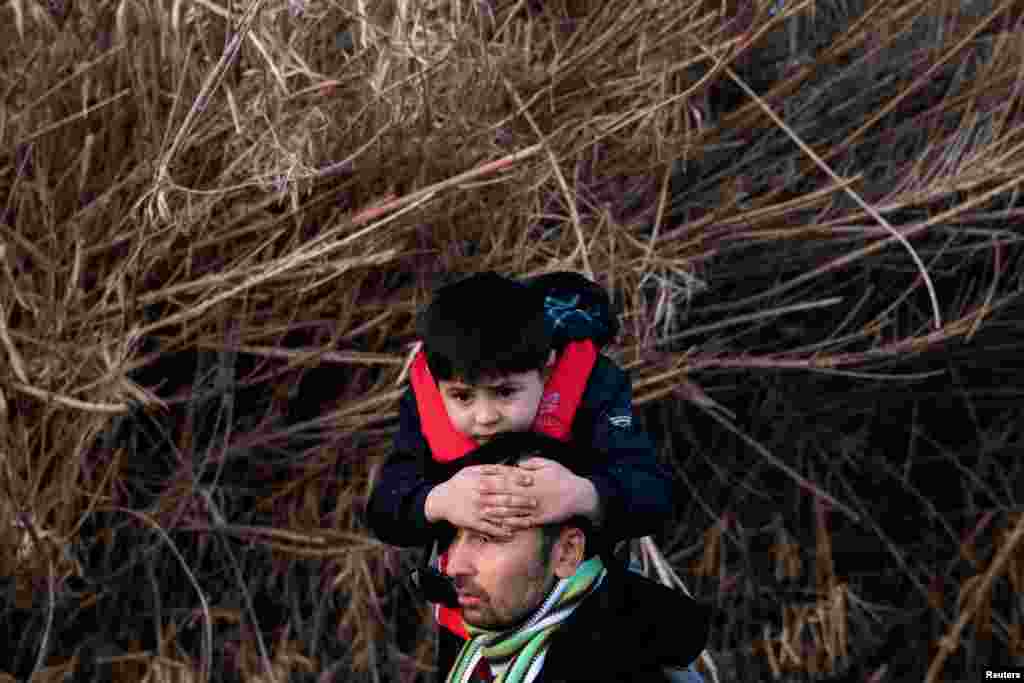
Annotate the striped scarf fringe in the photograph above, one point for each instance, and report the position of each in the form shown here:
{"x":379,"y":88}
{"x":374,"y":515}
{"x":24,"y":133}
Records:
{"x":522,"y":651}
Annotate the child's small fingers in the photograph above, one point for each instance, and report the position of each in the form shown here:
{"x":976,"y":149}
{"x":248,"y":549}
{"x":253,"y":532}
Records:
{"x":520,"y":522}
{"x":495,"y":486}
{"x":494,"y":527}
{"x":494,"y":491}
{"x":509,"y":512}
{"x":532,"y":463}
{"x":512,"y":501}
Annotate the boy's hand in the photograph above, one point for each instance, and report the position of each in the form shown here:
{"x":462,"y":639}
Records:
{"x":560,"y":495}
{"x":483,"y":498}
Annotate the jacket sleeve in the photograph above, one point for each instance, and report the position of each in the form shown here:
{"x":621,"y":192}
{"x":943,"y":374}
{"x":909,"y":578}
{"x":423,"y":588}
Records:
{"x":635,"y":491}
{"x":395,"y":511}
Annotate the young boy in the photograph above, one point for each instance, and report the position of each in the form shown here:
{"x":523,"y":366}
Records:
{"x":498,"y":356}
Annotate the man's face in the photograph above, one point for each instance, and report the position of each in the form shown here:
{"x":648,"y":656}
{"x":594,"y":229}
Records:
{"x":492,"y":406}
{"x":500,"y":581}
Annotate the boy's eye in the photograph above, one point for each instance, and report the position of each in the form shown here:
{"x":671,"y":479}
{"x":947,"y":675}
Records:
{"x":466,"y":397}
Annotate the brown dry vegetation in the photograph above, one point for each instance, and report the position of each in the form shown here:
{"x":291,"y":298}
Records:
{"x":218,"y":219}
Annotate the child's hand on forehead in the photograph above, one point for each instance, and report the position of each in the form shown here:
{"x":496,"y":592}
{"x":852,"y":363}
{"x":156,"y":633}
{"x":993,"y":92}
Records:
{"x":484,"y":498}
{"x":560,"y":495}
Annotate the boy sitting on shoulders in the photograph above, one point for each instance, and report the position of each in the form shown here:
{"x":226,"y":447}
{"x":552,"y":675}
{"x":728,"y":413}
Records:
{"x":505,"y":356}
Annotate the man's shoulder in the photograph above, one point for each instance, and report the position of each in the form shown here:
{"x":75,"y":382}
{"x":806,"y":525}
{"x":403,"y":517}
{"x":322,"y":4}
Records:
{"x":629,"y":614}
{"x":633,"y":595}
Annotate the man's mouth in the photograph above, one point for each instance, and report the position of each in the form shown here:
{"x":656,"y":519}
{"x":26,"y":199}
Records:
{"x":468,"y":599}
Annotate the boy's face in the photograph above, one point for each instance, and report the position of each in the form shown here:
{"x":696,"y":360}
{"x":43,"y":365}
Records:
{"x":499,"y":404}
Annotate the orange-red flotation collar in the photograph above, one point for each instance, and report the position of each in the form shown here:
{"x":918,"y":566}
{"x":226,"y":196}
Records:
{"x":558,"y":404}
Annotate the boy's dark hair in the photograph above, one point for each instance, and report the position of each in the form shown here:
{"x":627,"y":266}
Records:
{"x":484,"y":326}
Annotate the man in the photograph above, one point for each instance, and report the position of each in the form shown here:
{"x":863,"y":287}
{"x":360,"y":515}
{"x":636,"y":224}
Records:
{"x":549,"y":605}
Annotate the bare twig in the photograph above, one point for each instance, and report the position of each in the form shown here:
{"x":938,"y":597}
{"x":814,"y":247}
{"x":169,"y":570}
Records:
{"x":44,"y":644}
{"x":846,"y":188}
{"x":570,"y":200}
{"x":951,"y":641}
{"x":208,"y":624}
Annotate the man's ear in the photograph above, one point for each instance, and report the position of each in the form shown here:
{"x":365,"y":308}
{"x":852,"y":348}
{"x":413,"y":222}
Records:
{"x":567,"y":554}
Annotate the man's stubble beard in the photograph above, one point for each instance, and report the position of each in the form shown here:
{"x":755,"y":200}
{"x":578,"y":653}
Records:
{"x":493,"y":622}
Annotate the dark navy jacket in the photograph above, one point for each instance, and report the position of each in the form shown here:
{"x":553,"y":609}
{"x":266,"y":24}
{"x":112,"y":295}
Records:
{"x":635,"y":490}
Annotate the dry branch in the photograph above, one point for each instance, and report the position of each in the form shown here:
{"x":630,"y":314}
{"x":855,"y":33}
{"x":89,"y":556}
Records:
{"x":220,"y":219}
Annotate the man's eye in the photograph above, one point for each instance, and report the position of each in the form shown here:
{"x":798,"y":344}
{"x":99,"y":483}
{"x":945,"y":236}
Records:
{"x":507,"y":393}
{"x":461,"y":398}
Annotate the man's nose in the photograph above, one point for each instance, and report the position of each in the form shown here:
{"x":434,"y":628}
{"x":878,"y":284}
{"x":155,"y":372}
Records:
{"x":459,"y":560}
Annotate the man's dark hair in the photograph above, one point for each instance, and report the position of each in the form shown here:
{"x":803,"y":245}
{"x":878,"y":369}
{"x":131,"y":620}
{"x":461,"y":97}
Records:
{"x":484,"y":326}
{"x":549,"y":534}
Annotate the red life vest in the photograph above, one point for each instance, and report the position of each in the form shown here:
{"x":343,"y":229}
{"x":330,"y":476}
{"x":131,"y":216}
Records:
{"x":563,"y":392}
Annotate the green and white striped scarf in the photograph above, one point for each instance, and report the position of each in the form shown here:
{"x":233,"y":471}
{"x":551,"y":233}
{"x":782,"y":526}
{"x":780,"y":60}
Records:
{"x":519,"y":654}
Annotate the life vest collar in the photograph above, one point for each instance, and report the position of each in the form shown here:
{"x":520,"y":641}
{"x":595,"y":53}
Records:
{"x":562,"y":395}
